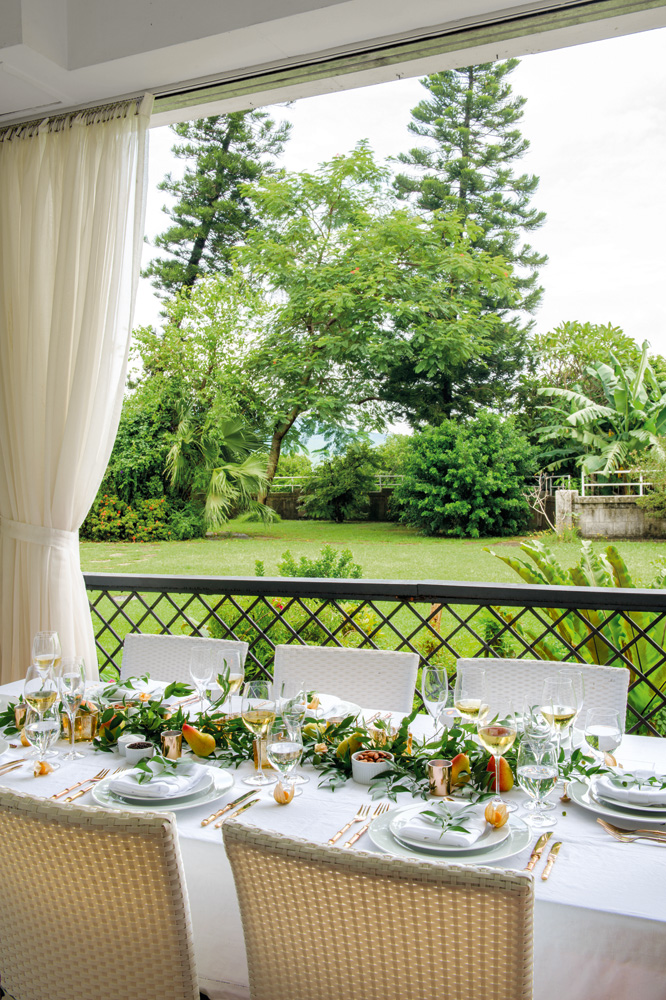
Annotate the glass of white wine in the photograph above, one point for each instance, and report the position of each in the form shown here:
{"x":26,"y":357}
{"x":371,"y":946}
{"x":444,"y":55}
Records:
{"x":72,"y":684}
{"x":42,"y":731}
{"x":559,"y":705}
{"x":578,"y":682}
{"x":537,"y":770}
{"x":44,"y":650}
{"x":236,"y":673}
{"x":258,"y":715}
{"x":40,"y":691}
{"x":284,"y":749}
{"x":603,"y":731}
{"x":468,"y":692}
{"x":497,"y":729}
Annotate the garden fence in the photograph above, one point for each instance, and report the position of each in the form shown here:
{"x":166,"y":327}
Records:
{"x":440,"y":620}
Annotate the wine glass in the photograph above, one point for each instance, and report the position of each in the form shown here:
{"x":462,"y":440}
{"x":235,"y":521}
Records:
{"x":468,"y":692}
{"x":537,"y":770}
{"x":72,"y":684}
{"x":293,"y":706}
{"x":258,"y":714}
{"x":235,"y":671}
{"x":40,"y":692}
{"x":578,"y":682}
{"x":284,"y":750}
{"x":497,"y":729}
{"x":559,"y":705}
{"x":537,"y":732}
{"x":202,"y":667}
{"x":603,"y":731}
{"x":44,"y":649}
{"x":434,"y":690}
{"x":42,"y":730}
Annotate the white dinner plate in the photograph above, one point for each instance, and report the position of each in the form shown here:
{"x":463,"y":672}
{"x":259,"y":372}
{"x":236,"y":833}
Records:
{"x":520,"y":837}
{"x":632,"y":806}
{"x":580,"y":793}
{"x":401,"y":817}
{"x":144,"y":799}
{"x":222,"y":782}
{"x":332,"y":707}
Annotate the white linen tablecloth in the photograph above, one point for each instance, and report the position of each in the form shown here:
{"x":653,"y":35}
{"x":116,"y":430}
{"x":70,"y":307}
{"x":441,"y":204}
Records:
{"x":600,"y":923}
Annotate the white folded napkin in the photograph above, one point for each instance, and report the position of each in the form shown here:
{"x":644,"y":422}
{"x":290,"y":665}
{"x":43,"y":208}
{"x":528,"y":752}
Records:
{"x":423,"y":830}
{"x":630,"y":788}
{"x":186,"y":778}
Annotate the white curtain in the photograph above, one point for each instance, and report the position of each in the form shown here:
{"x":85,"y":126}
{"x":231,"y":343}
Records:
{"x":72,"y":203}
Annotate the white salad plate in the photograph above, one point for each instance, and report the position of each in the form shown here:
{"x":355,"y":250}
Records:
{"x":221,"y":783}
{"x":402,"y":817}
{"x":519,"y":837}
{"x":579,"y":792}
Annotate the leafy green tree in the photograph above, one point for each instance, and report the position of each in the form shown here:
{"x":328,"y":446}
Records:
{"x":601,"y":437}
{"x":211,"y":214}
{"x":467,"y":479}
{"x":338,"y":488}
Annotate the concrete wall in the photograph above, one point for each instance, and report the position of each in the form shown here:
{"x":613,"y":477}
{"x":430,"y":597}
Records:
{"x":607,"y":517}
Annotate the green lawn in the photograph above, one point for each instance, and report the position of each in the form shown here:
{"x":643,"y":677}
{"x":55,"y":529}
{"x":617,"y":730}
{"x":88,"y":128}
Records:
{"x":385,"y":551}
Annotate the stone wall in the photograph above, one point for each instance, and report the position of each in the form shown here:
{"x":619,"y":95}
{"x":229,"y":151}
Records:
{"x":606,"y":517}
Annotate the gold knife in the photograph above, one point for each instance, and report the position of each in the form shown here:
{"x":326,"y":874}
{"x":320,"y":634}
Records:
{"x":538,"y":850}
{"x":554,"y":851}
{"x":237,"y":813}
{"x":229,"y":805}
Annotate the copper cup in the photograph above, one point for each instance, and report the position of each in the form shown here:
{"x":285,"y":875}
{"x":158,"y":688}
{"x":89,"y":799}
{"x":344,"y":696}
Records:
{"x":439,"y":777}
{"x":20,"y":713}
{"x":172,"y":744}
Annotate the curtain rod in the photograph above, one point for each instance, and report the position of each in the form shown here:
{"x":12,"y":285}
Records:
{"x":79,"y":116}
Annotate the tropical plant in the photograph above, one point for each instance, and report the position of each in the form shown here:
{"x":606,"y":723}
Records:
{"x":596,"y":636}
{"x":338,"y":488}
{"x":329,"y":563}
{"x":600,"y":437}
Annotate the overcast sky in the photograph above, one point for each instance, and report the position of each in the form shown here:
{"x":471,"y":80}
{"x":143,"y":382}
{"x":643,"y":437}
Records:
{"x":596,"y":120}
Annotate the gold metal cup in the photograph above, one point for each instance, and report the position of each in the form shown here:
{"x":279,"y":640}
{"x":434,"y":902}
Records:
{"x":439,"y":777}
{"x":85,"y":725}
{"x":20,"y":713}
{"x":172,"y":744}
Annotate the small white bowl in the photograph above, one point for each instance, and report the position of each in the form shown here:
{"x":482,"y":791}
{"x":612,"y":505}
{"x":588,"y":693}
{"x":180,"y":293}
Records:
{"x":363,"y":771}
{"x":135,"y":754}
{"x":126,"y":738}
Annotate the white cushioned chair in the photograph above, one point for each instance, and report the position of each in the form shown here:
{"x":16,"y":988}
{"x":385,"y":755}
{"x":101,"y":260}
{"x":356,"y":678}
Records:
{"x":94,"y":904}
{"x":373,"y":678}
{"x":167,"y":657}
{"x":516,"y":680}
{"x":332,"y":924}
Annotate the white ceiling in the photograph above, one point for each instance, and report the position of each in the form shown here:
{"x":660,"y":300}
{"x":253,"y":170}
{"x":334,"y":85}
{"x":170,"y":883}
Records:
{"x":59,"y":54}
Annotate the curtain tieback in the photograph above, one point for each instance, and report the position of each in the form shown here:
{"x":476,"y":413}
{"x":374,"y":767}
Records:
{"x":37,"y":534}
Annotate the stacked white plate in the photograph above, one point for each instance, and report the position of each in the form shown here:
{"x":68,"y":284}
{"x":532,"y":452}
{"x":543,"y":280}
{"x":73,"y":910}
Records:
{"x":593,"y":796}
{"x":214,"y":786}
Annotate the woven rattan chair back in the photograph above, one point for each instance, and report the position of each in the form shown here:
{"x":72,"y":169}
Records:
{"x":94,"y":904}
{"x":373,"y":678}
{"x":167,"y":657}
{"x":340,"y":925}
{"x":516,"y":680}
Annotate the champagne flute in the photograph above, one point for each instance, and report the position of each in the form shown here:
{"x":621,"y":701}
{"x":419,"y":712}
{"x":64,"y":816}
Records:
{"x":44,"y":650}
{"x":537,"y":770}
{"x":434,"y":690}
{"x":72,"y":684}
{"x":42,"y":730}
{"x":603,"y":731}
{"x":284,"y":750}
{"x":497,"y":730}
{"x":293,"y":706}
{"x":559,"y":705}
{"x":202,"y":667}
{"x":468,"y":692}
{"x":258,"y":714}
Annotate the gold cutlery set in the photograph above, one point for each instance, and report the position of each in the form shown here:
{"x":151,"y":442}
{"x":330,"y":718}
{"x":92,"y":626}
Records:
{"x":628,"y":836}
{"x":363,"y":813}
{"x":538,"y":850}
{"x":230,"y":805}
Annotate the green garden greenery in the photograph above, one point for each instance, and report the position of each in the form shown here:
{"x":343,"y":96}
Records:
{"x":338,"y":488}
{"x":467,"y":480}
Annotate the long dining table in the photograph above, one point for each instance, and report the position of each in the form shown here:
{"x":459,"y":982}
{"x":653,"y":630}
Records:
{"x":600,"y":919}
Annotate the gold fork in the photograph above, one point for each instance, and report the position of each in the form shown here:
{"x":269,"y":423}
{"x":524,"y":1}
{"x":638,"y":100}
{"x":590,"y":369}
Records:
{"x":627,"y":837}
{"x":96,"y":777}
{"x":381,"y":808}
{"x":91,"y":782}
{"x":363,"y":813}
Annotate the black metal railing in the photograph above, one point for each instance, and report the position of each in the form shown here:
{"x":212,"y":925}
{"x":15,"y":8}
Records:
{"x":439,"y":620}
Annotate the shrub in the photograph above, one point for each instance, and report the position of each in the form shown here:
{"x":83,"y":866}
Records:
{"x":338,"y":489}
{"x":145,"y":520}
{"x":467,"y":479}
{"x":328,"y":564}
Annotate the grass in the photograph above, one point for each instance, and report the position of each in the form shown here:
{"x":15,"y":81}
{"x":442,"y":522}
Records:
{"x":384,"y":551}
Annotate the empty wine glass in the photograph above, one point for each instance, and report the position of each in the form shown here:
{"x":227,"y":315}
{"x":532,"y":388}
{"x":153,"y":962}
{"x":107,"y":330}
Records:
{"x":284,"y":750}
{"x":603,"y":731}
{"x":468,"y":692}
{"x":42,"y":731}
{"x":203,"y":661}
{"x":293,"y":706}
{"x":497,"y":730}
{"x":537,"y":771}
{"x":434,"y":690}
{"x":258,"y":714}
{"x":72,"y":684}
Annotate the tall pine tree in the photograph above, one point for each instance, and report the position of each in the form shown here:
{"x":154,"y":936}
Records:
{"x":211,"y":215}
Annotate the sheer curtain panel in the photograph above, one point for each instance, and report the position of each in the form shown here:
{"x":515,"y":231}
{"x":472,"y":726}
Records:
{"x":72,"y":203}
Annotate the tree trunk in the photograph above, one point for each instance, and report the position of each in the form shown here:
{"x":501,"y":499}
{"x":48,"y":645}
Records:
{"x":273,"y":459}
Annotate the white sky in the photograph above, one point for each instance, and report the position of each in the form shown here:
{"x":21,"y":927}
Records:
{"x":596,"y":120}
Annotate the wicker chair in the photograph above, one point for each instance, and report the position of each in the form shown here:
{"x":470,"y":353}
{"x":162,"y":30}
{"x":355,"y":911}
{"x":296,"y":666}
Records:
{"x":340,"y":925}
{"x":373,"y":678}
{"x":94,"y":904}
{"x":167,"y":657}
{"x":516,"y":680}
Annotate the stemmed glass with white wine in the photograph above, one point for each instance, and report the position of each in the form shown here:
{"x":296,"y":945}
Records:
{"x":578,"y":682}
{"x":559,"y":705}
{"x":468,"y":692}
{"x":45,"y":650}
{"x":284,"y":749}
{"x":42,"y":730}
{"x":40,"y":691}
{"x":497,"y":729}
{"x":435,"y":690}
{"x":258,"y":715}
{"x":235,"y":671}
{"x":72,"y":684}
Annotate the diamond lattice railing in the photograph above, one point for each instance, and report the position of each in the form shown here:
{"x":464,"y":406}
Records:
{"x":439,"y":621}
